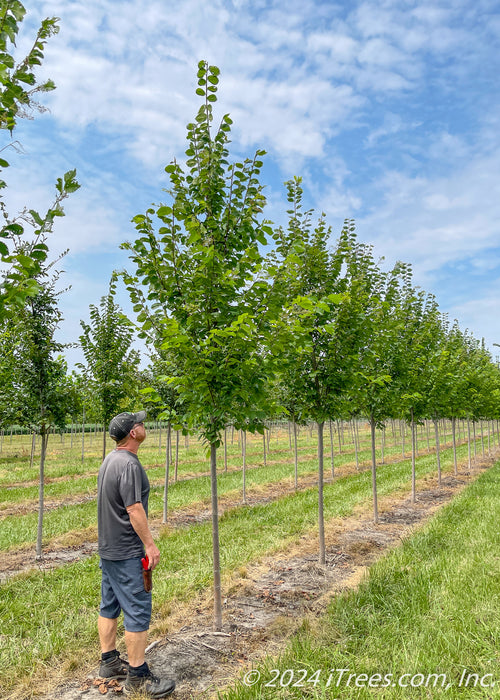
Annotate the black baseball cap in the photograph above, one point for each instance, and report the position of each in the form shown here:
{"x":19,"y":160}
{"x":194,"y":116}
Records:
{"x":122,"y":424}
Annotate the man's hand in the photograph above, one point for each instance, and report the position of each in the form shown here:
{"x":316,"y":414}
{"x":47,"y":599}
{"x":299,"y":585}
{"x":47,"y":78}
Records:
{"x":139,"y":522}
{"x":153,"y":554}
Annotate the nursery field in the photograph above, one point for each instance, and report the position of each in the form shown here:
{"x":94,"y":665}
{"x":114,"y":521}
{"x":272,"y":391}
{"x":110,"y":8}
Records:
{"x":48,"y":608}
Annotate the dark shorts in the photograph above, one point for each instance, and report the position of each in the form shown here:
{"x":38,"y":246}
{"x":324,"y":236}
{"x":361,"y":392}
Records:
{"x":122,"y":588}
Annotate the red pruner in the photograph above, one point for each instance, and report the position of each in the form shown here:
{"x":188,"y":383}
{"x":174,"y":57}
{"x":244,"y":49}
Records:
{"x":147,"y":574}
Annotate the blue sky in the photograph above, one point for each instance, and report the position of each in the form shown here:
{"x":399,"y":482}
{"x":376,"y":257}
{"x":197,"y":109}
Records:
{"x":389,"y":111}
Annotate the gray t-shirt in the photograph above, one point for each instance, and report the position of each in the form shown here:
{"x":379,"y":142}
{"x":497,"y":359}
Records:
{"x":122,"y":482}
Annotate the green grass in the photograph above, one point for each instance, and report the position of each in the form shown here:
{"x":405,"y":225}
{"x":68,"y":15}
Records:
{"x":43,"y":614}
{"x":430,"y":607}
{"x":20,"y":530}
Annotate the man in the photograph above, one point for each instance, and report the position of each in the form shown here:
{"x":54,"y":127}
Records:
{"x":124,"y":539}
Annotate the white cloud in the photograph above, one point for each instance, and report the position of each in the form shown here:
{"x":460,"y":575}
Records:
{"x":129,"y":68}
{"x":481,"y":312}
{"x":436,"y":220}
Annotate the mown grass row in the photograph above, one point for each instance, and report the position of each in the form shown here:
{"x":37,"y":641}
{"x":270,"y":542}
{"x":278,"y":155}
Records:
{"x":20,"y":529}
{"x":64,"y":462}
{"x":425,"y":624}
{"x":50,"y":618}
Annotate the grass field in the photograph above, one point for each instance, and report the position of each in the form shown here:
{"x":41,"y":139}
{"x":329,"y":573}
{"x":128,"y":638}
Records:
{"x":425,"y":623}
{"x":48,"y":618}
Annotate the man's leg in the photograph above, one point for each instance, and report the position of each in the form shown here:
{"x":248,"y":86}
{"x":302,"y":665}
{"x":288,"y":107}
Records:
{"x":136,"y":647}
{"x":107,"y":633}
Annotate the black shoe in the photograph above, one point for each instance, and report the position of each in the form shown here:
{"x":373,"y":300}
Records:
{"x":113,"y":668}
{"x":150,"y":684}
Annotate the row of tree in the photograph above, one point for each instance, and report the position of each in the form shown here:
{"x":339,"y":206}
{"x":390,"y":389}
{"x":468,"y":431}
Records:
{"x":245,"y":320}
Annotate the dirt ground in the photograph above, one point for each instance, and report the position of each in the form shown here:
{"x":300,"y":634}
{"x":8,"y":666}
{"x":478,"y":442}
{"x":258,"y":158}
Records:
{"x":266,"y":602}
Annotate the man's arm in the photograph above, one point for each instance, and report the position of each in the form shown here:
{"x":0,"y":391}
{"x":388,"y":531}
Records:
{"x":139,"y":522}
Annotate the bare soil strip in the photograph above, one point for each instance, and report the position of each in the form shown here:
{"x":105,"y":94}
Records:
{"x":267,"y":601}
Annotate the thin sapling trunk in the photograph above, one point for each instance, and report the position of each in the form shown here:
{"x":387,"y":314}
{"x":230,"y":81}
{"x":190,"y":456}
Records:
{"x":374,"y":470}
{"x":215,"y":540}
{"x":321,"y":513}
{"x":167,"y":471}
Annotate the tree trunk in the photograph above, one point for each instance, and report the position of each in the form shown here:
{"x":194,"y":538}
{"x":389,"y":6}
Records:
{"x":215,"y":540}
{"x":403,"y":433}
{"x":244,"y":455}
{"x":454,"y":439}
{"x":331,"y":449}
{"x":83,"y":434}
{"x":33,"y":446}
{"x":468,"y":443}
{"x":39,"y":534}
{"x":321,"y":512}
{"x":176,"y":455}
{"x":103,"y":442}
{"x":413,"y":455}
{"x":438,"y":454}
{"x":225,"y":450}
{"x":167,"y":470}
{"x":374,"y":470}
{"x":264,"y":448}
{"x":295,"y":452}
{"x":356,"y":453}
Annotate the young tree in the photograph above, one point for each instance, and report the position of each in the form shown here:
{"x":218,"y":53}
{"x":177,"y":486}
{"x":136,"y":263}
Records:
{"x":417,"y":336}
{"x":111,"y":364}
{"x":204,"y":302}
{"x":371,"y":393}
{"x":9,"y":339}
{"x":23,"y":260}
{"x":309,"y":282}
{"x":43,"y":387}
{"x":165,"y":400}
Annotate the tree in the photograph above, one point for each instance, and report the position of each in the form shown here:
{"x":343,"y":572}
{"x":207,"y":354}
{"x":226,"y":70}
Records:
{"x":18,"y":83}
{"x":111,"y":365}
{"x":43,"y":387}
{"x":204,"y":300}
{"x":165,"y":400}
{"x":371,"y":393}
{"x":9,"y":340}
{"x":310,"y":284}
{"x":417,"y":334}
{"x":22,"y":260}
